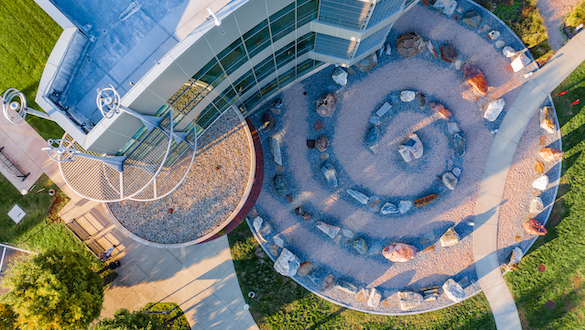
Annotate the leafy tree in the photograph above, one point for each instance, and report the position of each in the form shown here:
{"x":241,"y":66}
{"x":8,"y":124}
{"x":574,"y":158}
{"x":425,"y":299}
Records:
{"x":54,"y":290}
{"x":7,"y":317}
{"x":124,"y":320}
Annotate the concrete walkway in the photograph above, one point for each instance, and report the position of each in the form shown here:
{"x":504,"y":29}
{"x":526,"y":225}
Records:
{"x":491,"y":191}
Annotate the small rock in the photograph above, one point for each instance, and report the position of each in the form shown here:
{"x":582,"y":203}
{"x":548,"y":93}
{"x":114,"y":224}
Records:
{"x":387,"y":303}
{"x":340,"y":76}
{"x":534,"y":227}
{"x":428,"y":250}
{"x":329,"y":230}
{"x":330,"y":174}
{"x":362,"y":295}
{"x":275,"y":147}
{"x":389,"y":208}
{"x":453,"y":128}
{"x":485,"y":28}
{"x":475,"y":78}
{"x":394,"y":98}
{"x":458,"y":65}
{"x":346,"y":286}
{"x":279,"y":168}
{"x":287,"y":263}
{"x":407,"y":96}
{"x":367,"y":63}
{"x":360,"y":197}
{"x":289,"y":198}
{"x":411,"y":149}
{"x":275,"y":111}
{"x":374,"y":298}
{"x":374,"y":204}
{"x":388,"y":50}
{"x":547,"y":120}
{"x":409,"y":300}
{"x":410,"y":44}
{"x":375,"y":120}
{"x":318,"y":125}
{"x":328,"y":283}
{"x":536,"y":206}
{"x":539,"y":167}
{"x":447,"y":6}
{"x":375,"y":248}
{"x":450,"y":180}
{"x":311,"y":144}
{"x":421,"y":98}
{"x":347,"y":233}
{"x":459,"y":144}
{"x":431,"y":297}
{"x":399,"y":252}
{"x":322,"y":143}
{"x":383,"y":109}
{"x":404,"y":206}
{"x":307,"y":216}
{"x":257,"y":223}
{"x":299,"y":210}
{"x":360,"y":246}
{"x":305,"y":268}
{"x":508,"y":52}
{"x":324,"y":156}
{"x":464,"y":282}
{"x":494,"y":109}
{"x":550,"y":154}
{"x":457,"y":171}
{"x":425,"y":200}
{"x":326,"y":105}
{"x":541,"y":183}
{"x":448,"y":53}
{"x":500,"y":44}
{"x":472,"y":19}
{"x":280,"y":184}
{"x":278,"y":241}
{"x":372,"y":138}
{"x":269,"y":120}
{"x":494,"y":34}
{"x":440,"y":109}
{"x":266,"y":230}
{"x":431,"y":49}
{"x":453,"y":290}
{"x":273,"y":249}
{"x":449,"y":238}
{"x":515,"y":258}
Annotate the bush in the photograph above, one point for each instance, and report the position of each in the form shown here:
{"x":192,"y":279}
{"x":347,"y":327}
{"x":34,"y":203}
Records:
{"x":577,"y":16}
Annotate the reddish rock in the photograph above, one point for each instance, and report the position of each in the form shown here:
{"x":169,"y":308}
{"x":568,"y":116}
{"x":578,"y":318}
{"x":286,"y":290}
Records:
{"x":438,"y":107}
{"x":410,"y":44}
{"x":399,"y":252}
{"x":475,"y":78}
{"x":326,"y":105}
{"x":426,"y":2}
{"x":425,"y":200}
{"x":550,"y":154}
{"x":539,"y":167}
{"x":429,"y":249}
{"x":448,"y":53}
{"x":318,"y":125}
{"x":328,"y":283}
{"x":305,"y":268}
{"x":534,"y":227}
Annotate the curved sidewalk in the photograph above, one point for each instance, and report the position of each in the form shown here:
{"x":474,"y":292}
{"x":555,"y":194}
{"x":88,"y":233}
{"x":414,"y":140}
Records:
{"x":491,"y":192}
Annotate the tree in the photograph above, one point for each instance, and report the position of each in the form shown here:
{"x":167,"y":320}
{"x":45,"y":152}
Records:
{"x":124,"y":320}
{"x":54,"y":290}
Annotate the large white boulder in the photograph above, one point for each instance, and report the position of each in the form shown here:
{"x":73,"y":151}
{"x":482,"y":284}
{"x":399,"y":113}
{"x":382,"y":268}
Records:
{"x":494,"y":109}
{"x":453,"y":290}
{"x":287,"y":263}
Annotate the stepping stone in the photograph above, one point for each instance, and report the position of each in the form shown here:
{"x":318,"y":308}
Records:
{"x":318,"y":125}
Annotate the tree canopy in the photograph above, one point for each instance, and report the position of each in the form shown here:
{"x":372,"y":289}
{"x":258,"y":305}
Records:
{"x":124,"y":320}
{"x":53,"y":290}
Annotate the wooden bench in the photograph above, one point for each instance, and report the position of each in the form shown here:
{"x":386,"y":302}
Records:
{"x":10,"y":166}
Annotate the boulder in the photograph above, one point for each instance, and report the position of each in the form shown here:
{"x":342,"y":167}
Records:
{"x":322,"y":143}
{"x":449,"y":238}
{"x":326,"y":105}
{"x":515,"y":258}
{"x":440,"y":109}
{"x":389,"y":208}
{"x":425,"y":200}
{"x":409,"y":300}
{"x":508,"y":52}
{"x":536,"y":206}
{"x":539,"y":167}
{"x":372,"y":138}
{"x":287,"y":263}
{"x":448,"y":53}
{"x":534,"y":227}
{"x":472,"y":19}
{"x":493,"y":35}
{"x":431,"y":49}
{"x":547,"y":120}
{"x":278,"y":241}
{"x":446,"y":6}
{"x":494,"y":109}
{"x":407,"y":96}
{"x":330,"y":174}
{"x":346,"y":286}
{"x":475,"y":78}
{"x":374,"y":204}
{"x":520,"y":62}
{"x":410,"y":44}
{"x":500,"y":44}
{"x":275,"y":147}
{"x":404,"y":206}
{"x":374,"y":298}
{"x":459,"y":144}
{"x":360,"y":197}
{"x":450,"y":180}
{"x":329,"y":230}
{"x":411,"y":149}
{"x":362,"y":295}
{"x":485,"y":28}
{"x":453,"y":290}
{"x":305,"y":268}
{"x":541,"y":183}
{"x":340,"y":76}
{"x":360,"y":246}
{"x":269,"y":120}
{"x":280,"y":184}
{"x":550,"y":154}
{"x":399,"y":252}
{"x":367,"y":63}
{"x":422,"y":99}
{"x":452,"y":127}
{"x":383,"y":109}
{"x":273,"y":249}
{"x":328,"y":283}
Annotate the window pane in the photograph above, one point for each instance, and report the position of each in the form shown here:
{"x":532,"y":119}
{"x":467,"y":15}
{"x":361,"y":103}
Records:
{"x":282,"y":33}
{"x":253,"y":101}
{"x":286,"y":55}
{"x":245,"y":82}
{"x":213,"y":73}
{"x":304,"y":67}
{"x":185,"y":99}
{"x":232,"y":61}
{"x":282,"y":12}
{"x":259,"y":49}
{"x":255,"y":29}
{"x":258,"y":39}
{"x":223,"y":99}
{"x":282,"y":24}
{"x":306,"y":44}
{"x":287,"y":77}
{"x":203,"y":70}
{"x":307,"y":9}
{"x":270,"y":88}
{"x":265,"y":68}
{"x":207,"y":116}
{"x":229,"y":48}
{"x":307,"y":19}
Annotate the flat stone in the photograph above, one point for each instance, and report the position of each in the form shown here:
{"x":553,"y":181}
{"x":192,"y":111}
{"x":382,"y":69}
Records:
{"x":387,"y":303}
{"x":367,"y":63}
{"x":450,"y":180}
{"x":431,"y":49}
{"x":452,"y":127}
{"x":275,"y":147}
{"x":328,"y":283}
{"x":494,"y":34}
{"x":457,"y":171}
{"x":411,"y":149}
{"x":458,"y":64}
{"x":318,"y":125}
{"x":330,"y":174}
{"x":257,"y":223}
{"x":500,"y":44}
{"x":327,"y":105}
{"x":536,"y":206}
{"x":305,"y":268}
{"x":347,"y":233}
{"x":453,"y":290}
{"x":440,"y":109}
{"x":346,"y":286}
{"x":383,"y":109}
{"x":508,"y":52}
{"x":404,"y":206}
{"x":446,"y":6}
{"x":539,"y":167}
{"x":362,"y":295}
{"x":322,"y":143}
{"x":547,"y":120}
{"x":375,"y":120}
{"x":389,"y":208}
{"x":374,"y":298}
{"x":372,"y":138}
{"x":329,"y":230}
{"x":360,"y":246}
{"x":311,"y":144}
{"x":494,"y":109}
{"x":425,"y":200}
{"x":280,"y":184}
{"x":448,"y":53}
{"x":459,"y":144}
{"x":360,"y":197}
{"x":449,"y":238}
{"x":278,"y":241}
{"x":541,"y":183}
{"x":287,"y":263}
{"x":374,"y":204}
{"x":475,"y":78}
{"x":485,"y":28}
{"x":375,"y":248}
{"x":399,"y":252}
{"x":409,"y":300}
{"x":472,"y":19}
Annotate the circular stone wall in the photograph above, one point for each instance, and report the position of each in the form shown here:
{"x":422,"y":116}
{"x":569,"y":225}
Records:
{"x":290,"y":214}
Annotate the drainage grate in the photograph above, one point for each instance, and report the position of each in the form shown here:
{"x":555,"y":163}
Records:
{"x":549,"y":304}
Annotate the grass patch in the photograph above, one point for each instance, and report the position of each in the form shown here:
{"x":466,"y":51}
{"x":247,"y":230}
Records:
{"x":27,"y":37}
{"x":281,"y":303}
{"x":576,"y":17}
{"x":176,"y":320}
{"x":562,"y":251}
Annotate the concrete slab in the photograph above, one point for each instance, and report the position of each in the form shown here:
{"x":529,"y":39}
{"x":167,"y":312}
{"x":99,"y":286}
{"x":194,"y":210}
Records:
{"x":224,"y":290}
{"x":513,"y":125}
{"x":209,"y":312}
{"x":151,"y":291}
{"x":529,"y":99}
{"x":184,"y":253}
{"x":130,"y":273}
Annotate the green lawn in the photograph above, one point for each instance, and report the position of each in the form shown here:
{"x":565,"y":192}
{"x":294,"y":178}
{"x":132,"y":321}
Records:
{"x":282,"y":304}
{"x":27,"y":37}
{"x":562,"y":250}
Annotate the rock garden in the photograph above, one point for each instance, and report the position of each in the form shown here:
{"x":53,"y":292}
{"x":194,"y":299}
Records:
{"x":372,"y":172}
